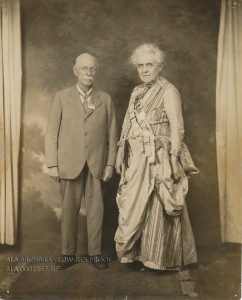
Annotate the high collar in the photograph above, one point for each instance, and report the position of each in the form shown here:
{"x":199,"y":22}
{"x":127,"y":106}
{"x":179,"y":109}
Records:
{"x":84,"y":94}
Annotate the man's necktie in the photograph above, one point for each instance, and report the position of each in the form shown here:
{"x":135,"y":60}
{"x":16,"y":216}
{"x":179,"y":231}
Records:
{"x":85,"y":103}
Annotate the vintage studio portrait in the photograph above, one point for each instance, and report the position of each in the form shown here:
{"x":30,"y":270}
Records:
{"x":120,"y":149}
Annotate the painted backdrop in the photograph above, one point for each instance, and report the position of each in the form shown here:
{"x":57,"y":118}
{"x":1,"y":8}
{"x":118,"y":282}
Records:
{"x":55,"y":32}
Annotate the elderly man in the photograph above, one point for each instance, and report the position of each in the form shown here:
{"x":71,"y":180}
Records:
{"x":154,"y":227}
{"x":80,"y":148}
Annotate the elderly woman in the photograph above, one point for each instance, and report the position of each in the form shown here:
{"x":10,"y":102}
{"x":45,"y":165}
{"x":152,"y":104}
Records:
{"x":154,"y":163}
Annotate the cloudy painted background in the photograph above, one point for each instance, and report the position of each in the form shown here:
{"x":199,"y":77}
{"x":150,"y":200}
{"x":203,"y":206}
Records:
{"x":55,"y":32}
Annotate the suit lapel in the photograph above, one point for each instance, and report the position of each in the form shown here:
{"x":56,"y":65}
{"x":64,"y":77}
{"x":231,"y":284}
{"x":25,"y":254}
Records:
{"x":76,"y":101}
{"x":78,"y":106}
{"x":95,"y":100}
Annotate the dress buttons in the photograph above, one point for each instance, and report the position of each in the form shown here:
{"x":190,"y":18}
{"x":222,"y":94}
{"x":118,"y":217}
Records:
{"x":85,"y":133}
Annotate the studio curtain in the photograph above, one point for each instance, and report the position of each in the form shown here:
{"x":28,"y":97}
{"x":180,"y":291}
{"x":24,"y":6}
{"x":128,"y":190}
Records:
{"x":229,"y":120}
{"x":10,"y":100}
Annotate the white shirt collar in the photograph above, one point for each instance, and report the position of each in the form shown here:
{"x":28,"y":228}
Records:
{"x":83,"y":94}
{"x":86,"y":96}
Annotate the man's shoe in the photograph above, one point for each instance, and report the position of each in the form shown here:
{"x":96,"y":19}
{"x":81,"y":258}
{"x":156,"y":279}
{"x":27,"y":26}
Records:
{"x":98,"y":261}
{"x":65,"y":262}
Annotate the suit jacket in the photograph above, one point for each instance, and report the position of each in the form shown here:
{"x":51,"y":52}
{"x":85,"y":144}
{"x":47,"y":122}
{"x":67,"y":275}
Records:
{"x":74,"y":137}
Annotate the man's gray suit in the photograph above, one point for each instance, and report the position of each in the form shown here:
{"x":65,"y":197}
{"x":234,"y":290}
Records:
{"x":80,"y":142}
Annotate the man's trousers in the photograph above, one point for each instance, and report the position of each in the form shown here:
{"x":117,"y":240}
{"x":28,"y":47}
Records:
{"x":73,"y":191}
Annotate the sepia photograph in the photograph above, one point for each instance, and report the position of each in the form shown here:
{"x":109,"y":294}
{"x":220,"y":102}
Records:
{"x":120,"y":149}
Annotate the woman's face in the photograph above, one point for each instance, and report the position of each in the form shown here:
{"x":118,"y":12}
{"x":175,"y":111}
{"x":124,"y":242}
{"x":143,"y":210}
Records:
{"x":148,"y":68}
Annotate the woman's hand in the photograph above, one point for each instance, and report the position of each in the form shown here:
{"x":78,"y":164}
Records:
{"x":119,"y":161}
{"x":175,"y":169}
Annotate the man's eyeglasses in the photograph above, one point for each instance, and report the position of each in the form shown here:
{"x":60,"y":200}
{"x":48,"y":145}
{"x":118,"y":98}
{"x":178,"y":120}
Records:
{"x":86,"y":70}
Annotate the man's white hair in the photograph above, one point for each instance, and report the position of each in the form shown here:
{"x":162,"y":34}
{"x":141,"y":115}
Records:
{"x":159,"y":55}
{"x":83,"y":55}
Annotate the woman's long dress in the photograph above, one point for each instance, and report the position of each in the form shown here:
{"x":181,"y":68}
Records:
{"x":154,"y":226}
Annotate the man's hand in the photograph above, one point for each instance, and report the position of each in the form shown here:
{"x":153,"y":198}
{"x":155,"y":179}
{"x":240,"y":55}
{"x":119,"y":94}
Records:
{"x":54,"y":174}
{"x":175,"y":169}
{"x":107,"y":174}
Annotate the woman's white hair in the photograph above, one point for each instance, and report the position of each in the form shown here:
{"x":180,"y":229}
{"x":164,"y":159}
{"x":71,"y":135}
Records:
{"x":159,"y":55}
